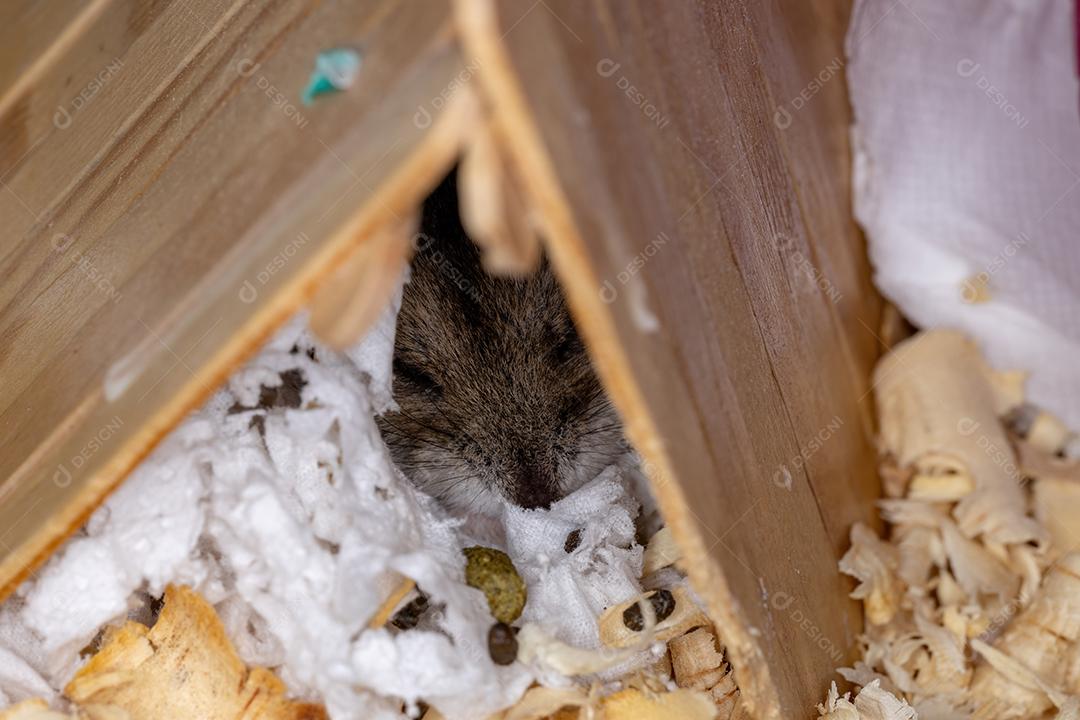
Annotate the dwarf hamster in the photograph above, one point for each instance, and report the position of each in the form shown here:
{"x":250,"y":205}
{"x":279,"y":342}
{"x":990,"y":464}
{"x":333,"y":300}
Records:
{"x":496,"y":396}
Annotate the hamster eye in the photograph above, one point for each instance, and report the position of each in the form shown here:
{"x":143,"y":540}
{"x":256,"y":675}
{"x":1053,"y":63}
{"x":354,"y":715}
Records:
{"x":568,"y":347}
{"x":417,"y":377}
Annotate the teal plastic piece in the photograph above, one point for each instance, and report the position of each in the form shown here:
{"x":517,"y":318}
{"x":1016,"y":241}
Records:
{"x":335,"y":70}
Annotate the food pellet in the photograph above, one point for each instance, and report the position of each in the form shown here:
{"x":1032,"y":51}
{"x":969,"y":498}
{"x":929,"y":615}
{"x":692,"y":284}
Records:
{"x":407,"y":617}
{"x":493,"y":573}
{"x":502,"y":644}
{"x":573,"y":540}
{"x":663,"y":604}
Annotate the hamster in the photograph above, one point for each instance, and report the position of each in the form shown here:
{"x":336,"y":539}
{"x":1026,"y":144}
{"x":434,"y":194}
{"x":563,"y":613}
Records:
{"x":497,"y":399}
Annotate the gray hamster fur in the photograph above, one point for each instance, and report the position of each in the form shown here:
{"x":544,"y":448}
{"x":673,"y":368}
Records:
{"x":497,"y":399}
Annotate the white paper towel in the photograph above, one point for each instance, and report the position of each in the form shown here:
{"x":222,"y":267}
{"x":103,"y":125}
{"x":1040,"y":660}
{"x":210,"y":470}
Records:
{"x":967,"y":175}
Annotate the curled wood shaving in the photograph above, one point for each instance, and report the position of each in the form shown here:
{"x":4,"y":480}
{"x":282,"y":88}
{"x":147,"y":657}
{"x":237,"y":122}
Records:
{"x":972,"y":605}
{"x":1057,"y":505}
{"x":661,"y":552}
{"x":871,"y":703}
{"x":695,"y":661}
{"x":938,"y":404}
{"x":183,"y":667}
{"x":540,"y":702}
{"x":636,"y":705}
{"x":33,"y":710}
{"x":537,"y":646}
{"x":686,"y":616}
{"x":874,"y":563}
{"x":1048,"y":434}
{"x":1033,"y":663}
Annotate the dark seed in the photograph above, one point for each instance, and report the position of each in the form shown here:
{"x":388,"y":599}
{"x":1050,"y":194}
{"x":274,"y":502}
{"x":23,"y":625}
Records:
{"x":502,"y":645}
{"x":572,"y":541}
{"x":287,"y":394}
{"x":407,"y":617}
{"x":663,"y":604}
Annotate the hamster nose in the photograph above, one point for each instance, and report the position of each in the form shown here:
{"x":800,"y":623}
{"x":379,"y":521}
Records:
{"x":533,"y":488}
{"x":532,"y":497}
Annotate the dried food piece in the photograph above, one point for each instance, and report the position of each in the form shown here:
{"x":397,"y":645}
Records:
{"x":502,"y":644}
{"x":409,"y":616}
{"x":573,"y":540}
{"x":287,"y":394}
{"x":493,"y":573}
{"x":663,"y":604}
{"x":547,"y":703}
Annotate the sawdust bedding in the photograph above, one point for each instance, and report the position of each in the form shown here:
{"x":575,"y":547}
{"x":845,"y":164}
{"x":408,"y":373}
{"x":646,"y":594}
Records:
{"x":972,"y":592}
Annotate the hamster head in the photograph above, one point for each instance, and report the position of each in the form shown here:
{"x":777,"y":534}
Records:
{"x":497,"y":399}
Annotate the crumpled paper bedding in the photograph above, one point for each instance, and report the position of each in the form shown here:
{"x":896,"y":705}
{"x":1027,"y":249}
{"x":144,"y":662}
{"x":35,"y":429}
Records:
{"x":298,"y":531}
{"x":966,"y":143}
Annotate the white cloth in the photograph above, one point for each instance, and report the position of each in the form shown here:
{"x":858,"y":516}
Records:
{"x":967,"y":175}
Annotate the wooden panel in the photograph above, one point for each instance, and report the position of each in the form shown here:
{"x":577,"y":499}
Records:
{"x":30,"y":31}
{"x":699,"y":266}
{"x":153,"y":241}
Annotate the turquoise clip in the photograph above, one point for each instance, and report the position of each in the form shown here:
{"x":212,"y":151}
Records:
{"x":335,"y":70}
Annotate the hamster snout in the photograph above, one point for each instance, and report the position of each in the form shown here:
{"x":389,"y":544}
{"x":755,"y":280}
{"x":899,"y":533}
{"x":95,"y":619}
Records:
{"x":496,"y":396}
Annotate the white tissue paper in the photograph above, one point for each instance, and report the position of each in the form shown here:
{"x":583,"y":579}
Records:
{"x":295,"y":535}
{"x":967,"y":175}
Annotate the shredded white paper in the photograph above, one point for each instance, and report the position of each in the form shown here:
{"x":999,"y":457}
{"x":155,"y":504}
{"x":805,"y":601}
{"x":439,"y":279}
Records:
{"x":294,"y":523}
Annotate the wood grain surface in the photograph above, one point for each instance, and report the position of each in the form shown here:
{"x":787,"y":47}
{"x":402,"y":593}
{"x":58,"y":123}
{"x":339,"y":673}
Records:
{"x":166,"y":202}
{"x":707,"y":249}
{"x":153,"y":240}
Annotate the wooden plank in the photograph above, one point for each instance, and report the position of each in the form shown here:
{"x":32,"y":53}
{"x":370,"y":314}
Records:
{"x":185,"y":214}
{"x":33,"y":32}
{"x":672,"y":210}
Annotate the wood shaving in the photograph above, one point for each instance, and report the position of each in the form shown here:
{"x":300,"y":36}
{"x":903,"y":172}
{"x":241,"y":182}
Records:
{"x":183,"y":668}
{"x":695,"y":661}
{"x":637,"y":705}
{"x":661,"y":552}
{"x":686,"y":616}
{"x":692,"y":680}
{"x":972,"y":597}
{"x":1048,"y":434}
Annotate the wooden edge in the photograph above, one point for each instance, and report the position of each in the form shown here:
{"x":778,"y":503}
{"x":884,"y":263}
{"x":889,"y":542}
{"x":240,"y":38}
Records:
{"x":71,"y":32}
{"x":405,"y":189}
{"x":354,"y":296}
{"x":566,"y":248}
